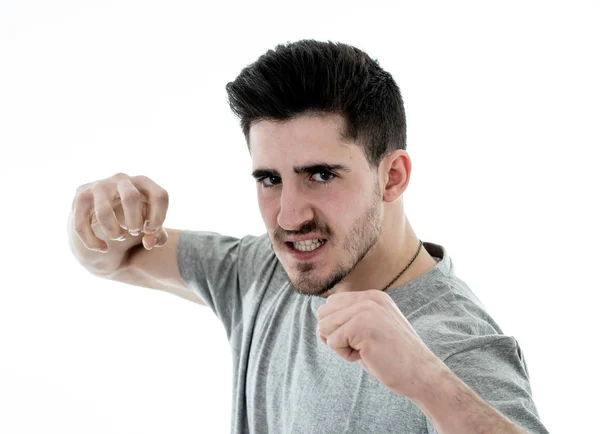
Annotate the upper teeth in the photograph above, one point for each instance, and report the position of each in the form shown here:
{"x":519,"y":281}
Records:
{"x":307,"y":245}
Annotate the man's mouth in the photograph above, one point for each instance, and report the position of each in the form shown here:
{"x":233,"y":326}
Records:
{"x":306,"y":245}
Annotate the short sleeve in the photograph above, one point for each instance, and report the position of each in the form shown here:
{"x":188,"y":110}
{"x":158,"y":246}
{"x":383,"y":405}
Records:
{"x":497,"y":372}
{"x":220,"y":269}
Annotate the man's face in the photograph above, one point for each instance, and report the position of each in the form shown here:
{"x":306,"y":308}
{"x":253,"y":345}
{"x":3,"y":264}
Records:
{"x":314,"y":186}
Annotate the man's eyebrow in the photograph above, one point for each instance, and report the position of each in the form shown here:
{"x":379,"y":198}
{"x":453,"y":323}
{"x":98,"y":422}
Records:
{"x":307,"y":168}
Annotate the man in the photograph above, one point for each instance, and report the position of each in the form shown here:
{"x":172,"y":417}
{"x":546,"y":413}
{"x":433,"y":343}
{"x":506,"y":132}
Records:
{"x":339,"y":317}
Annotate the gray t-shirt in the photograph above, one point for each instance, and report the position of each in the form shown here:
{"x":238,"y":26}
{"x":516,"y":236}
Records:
{"x":286,"y":380}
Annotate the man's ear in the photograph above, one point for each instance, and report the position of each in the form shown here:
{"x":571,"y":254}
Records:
{"x":395,"y":171}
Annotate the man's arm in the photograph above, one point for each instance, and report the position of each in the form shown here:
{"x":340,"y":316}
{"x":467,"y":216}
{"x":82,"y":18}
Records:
{"x":454,"y":408}
{"x":130,"y":262}
{"x":481,"y":389}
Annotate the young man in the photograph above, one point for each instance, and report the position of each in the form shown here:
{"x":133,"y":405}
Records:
{"x":339,"y":317}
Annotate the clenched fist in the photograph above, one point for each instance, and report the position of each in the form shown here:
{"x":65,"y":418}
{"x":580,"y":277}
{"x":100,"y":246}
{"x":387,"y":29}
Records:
{"x":120,"y":206}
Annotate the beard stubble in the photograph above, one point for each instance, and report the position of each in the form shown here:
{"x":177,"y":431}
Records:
{"x":359,"y":241}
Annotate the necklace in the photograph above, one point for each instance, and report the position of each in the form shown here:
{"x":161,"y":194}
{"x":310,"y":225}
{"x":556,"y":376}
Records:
{"x":405,"y":268}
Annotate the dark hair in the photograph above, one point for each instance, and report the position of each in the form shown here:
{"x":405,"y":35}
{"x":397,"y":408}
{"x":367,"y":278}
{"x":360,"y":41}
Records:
{"x":310,"y":76}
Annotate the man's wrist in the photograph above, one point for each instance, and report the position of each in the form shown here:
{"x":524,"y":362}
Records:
{"x":433,"y":376}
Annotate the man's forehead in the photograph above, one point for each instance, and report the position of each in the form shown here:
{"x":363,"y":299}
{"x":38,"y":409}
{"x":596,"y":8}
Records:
{"x":305,"y":130}
{"x":299,"y":142}
{"x":302,"y":160}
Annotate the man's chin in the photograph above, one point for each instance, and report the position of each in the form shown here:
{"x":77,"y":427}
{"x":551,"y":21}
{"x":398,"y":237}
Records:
{"x":311,"y":291}
{"x":311,"y":285}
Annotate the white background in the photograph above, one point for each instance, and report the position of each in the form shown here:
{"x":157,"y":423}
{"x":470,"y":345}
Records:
{"x":502,"y":109}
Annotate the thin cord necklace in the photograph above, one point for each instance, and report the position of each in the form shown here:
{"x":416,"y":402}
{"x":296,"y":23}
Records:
{"x":405,"y":268}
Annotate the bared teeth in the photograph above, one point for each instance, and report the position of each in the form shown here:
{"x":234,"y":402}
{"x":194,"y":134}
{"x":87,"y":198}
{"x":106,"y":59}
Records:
{"x":307,"y":245}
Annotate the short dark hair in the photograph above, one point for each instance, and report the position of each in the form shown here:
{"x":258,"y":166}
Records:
{"x":309,"y":76}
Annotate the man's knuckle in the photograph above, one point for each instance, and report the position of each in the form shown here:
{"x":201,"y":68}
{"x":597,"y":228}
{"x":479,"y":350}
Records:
{"x":84,"y":197}
{"x":103,"y":214}
{"x":119,"y":176}
{"x":131,"y":197}
{"x":161,"y":196}
{"x":369,"y":304}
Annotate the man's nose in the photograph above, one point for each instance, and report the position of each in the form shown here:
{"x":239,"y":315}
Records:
{"x":294,"y":209}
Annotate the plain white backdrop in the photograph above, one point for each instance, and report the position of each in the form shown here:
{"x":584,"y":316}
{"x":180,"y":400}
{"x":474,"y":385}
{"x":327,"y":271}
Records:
{"x":502,"y":110}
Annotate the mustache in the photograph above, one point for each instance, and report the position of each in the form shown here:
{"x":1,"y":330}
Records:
{"x":311,"y":227}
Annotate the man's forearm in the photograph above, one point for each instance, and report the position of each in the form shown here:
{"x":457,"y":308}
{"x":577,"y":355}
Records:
{"x":454,"y":408}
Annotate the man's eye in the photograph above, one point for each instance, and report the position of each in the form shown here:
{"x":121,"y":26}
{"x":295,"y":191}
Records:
{"x":325,"y":177}
{"x":269,"y":181}
{"x":272,"y":181}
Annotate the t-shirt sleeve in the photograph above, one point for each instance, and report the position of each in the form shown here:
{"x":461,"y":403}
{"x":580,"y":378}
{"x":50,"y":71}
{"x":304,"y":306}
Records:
{"x":498,"y":373}
{"x":220,"y":270}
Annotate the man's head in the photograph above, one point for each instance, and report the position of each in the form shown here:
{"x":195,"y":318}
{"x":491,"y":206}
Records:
{"x":324,"y":124}
{"x":323,"y":77}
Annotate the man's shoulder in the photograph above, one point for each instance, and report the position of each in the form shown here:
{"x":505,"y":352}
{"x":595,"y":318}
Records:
{"x":453,"y":319}
{"x":203,"y":240}
{"x":207,"y":252}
